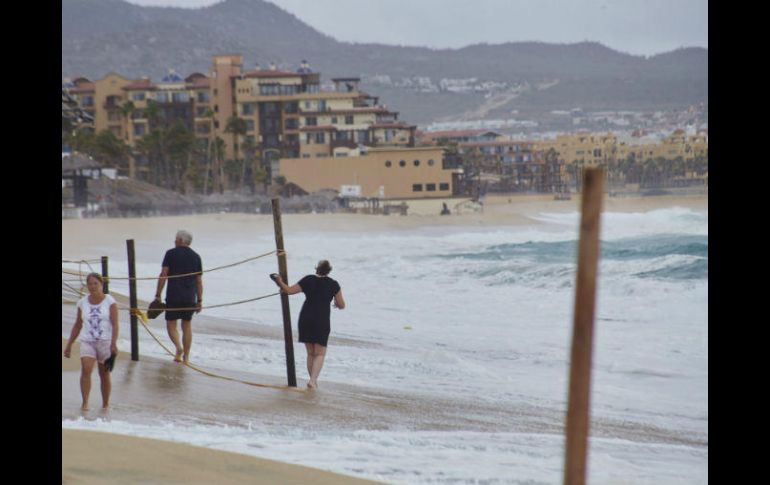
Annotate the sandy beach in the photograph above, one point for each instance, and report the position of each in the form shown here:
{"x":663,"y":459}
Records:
{"x":93,"y":458}
{"x":497,"y":210}
{"x":143,"y":391}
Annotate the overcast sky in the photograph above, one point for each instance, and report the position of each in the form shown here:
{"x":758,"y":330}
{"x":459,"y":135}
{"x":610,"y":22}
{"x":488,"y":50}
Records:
{"x":642,"y":27}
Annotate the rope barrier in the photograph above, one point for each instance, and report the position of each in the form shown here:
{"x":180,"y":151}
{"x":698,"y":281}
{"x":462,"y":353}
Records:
{"x":143,"y":319}
{"x":212,"y":306}
{"x":199,"y":272}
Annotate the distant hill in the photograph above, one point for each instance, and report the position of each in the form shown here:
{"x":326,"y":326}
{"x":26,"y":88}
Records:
{"x":102,"y":36}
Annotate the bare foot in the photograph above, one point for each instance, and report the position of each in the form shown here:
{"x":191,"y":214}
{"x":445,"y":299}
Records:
{"x":84,"y":407}
{"x":312,"y":385}
{"x":178,"y":357}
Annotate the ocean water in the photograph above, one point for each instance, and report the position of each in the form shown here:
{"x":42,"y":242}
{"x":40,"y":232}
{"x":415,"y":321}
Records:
{"x":481,"y":314}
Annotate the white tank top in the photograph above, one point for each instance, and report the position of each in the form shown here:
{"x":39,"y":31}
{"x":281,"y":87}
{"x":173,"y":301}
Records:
{"x":96,"y":319}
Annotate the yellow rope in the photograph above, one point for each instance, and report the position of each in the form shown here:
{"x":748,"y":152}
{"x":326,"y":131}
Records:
{"x":143,"y":320}
{"x":213,"y":306}
{"x":200,"y":272}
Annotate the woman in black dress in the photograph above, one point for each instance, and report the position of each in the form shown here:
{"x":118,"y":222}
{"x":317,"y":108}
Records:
{"x":314,"y":324}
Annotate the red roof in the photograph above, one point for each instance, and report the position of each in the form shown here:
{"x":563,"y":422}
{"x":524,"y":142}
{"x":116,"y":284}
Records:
{"x":200,"y":83}
{"x":272,"y":74}
{"x":83,"y":88}
{"x":140,"y":84}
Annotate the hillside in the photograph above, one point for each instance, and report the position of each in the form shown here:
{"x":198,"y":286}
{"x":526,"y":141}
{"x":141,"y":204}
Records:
{"x":101,"y":36}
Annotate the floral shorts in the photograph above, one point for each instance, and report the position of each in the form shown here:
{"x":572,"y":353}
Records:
{"x":98,"y":349}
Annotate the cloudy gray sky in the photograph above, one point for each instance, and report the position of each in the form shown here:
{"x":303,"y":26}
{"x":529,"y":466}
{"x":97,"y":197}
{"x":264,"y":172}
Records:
{"x":641,"y":27}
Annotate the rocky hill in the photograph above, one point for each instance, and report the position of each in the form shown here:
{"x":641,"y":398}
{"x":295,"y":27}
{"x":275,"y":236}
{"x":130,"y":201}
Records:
{"x":101,"y":36}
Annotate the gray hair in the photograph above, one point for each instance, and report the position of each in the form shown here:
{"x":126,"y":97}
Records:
{"x":185,"y":236}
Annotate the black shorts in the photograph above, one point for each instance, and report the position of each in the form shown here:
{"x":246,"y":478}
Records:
{"x":180,"y":314}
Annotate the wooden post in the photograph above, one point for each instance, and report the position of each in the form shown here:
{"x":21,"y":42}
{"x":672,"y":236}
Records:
{"x":288,"y":341}
{"x":105,"y":275}
{"x":132,"y":299}
{"x":582,"y":336}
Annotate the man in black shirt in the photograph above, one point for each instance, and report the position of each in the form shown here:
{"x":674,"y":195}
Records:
{"x":184,"y":292}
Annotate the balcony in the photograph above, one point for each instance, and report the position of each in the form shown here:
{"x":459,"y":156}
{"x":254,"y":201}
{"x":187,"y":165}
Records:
{"x":343,"y":143}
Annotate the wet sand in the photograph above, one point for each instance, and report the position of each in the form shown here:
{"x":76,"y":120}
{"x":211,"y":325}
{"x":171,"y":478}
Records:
{"x":94,"y":458}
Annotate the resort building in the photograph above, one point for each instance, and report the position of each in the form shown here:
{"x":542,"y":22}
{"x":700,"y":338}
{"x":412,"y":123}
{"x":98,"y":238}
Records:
{"x":282,"y":114}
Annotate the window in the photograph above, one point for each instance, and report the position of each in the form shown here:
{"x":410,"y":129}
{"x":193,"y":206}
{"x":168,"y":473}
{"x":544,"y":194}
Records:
{"x":113,"y":116}
{"x":161,"y":97}
{"x":269,"y":108}
{"x":311,"y":121}
{"x":320,"y":138}
{"x":430,"y":187}
{"x":430,"y":162}
{"x":416,"y":163}
{"x":349,"y":119}
{"x":269,"y":89}
{"x":180,"y":97}
{"x":388,"y":163}
{"x":203,"y":128}
{"x":139,"y":129}
{"x":416,"y":187}
{"x":203,"y":96}
{"x":307,"y":105}
{"x":443,"y":186}
{"x":334,"y":120}
{"x":322,"y":105}
{"x":290,"y":107}
{"x":305,"y":155}
{"x":247,"y":108}
{"x":249,"y":125}
{"x":402,"y":163}
{"x":137,"y":96}
{"x":87,"y":101}
{"x":291,"y":123}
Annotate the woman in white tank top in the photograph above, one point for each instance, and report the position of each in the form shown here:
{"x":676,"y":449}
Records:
{"x":97,"y":318}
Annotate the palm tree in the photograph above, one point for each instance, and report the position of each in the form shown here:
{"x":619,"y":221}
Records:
{"x":180,"y":143}
{"x":249,"y":150}
{"x":110,"y":149}
{"x":210,"y":115}
{"x":127,"y":109}
{"x":237,"y":127}
{"x":219,"y":154}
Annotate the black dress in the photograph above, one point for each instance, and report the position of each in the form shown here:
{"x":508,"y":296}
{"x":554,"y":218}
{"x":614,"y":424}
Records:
{"x":314,"y":324}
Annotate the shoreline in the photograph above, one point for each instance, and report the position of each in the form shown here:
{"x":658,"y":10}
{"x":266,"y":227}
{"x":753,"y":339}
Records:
{"x":78,"y":235}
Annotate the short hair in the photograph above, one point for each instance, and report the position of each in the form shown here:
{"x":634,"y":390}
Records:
{"x":185,"y":236}
{"x":95,"y":275}
{"x":323,"y":267}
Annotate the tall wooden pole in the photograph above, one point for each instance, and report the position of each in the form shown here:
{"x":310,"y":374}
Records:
{"x":288,"y":341}
{"x":132,"y":299}
{"x":105,"y":275}
{"x":582,"y":336}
